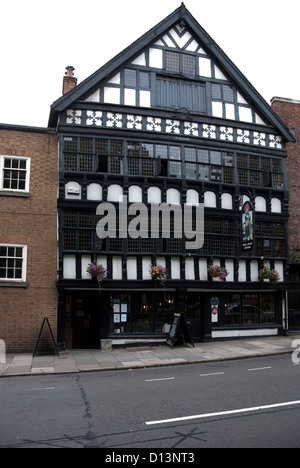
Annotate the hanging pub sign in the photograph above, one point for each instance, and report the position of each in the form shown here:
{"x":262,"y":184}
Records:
{"x":248,"y":227}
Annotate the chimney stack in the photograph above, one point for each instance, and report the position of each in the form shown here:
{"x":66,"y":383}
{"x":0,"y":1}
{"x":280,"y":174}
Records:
{"x":69,"y":80}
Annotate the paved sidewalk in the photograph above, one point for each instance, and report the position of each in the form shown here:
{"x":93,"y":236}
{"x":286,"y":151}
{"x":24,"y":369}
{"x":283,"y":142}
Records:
{"x":132,"y":358}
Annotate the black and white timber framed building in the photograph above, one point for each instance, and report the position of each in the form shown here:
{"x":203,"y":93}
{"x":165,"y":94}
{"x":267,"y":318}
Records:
{"x":170,"y":120}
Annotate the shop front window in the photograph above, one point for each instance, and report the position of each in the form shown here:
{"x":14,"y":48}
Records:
{"x":267,"y":308}
{"x":249,"y":309}
{"x":233,"y":310}
{"x":193,"y":307}
{"x":141,"y":313}
{"x":119,"y":314}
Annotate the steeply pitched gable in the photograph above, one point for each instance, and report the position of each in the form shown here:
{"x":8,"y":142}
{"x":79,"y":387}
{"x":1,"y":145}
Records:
{"x":176,"y":65}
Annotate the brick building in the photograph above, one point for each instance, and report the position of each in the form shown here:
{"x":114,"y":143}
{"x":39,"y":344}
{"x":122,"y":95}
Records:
{"x":28,"y":233}
{"x":289,"y":111}
{"x":170,"y":120}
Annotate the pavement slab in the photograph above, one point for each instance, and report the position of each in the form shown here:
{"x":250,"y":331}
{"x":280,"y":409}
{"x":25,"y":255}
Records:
{"x":72,"y":361}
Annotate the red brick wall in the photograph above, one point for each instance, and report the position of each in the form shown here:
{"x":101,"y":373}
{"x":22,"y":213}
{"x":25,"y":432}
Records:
{"x":289,"y":112}
{"x":30,"y":221}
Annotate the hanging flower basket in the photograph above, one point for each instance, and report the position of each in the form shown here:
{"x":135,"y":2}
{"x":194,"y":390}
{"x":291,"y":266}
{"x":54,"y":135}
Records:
{"x":159,"y":273}
{"x":266,"y":274}
{"x":216,"y":271}
{"x":97,"y":272}
{"x":297,"y":258}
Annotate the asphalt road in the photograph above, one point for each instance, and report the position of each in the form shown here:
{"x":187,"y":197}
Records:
{"x":248,"y":403}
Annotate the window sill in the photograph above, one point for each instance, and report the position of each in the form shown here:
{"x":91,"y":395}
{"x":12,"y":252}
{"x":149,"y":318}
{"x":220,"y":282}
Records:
{"x":7,"y":193}
{"x":13,"y":284}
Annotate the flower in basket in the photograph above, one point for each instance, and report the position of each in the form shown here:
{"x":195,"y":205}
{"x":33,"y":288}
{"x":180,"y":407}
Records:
{"x":274,"y":276}
{"x":264,"y":274}
{"x":267,"y":274}
{"x":97,"y":272}
{"x":216,"y":271}
{"x":297,"y":258}
{"x":159,"y":273}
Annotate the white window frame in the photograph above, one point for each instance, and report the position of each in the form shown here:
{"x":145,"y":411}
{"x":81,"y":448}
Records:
{"x":2,"y":168}
{"x":24,"y":263}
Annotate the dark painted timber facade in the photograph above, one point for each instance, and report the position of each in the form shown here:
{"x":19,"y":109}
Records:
{"x":171,"y":120}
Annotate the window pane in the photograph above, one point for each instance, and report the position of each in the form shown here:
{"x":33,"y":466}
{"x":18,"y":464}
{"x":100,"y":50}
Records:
{"x":144,"y":80}
{"x":190,"y":154}
{"x":216,"y":91}
{"x":86,"y":163}
{"x":117,"y":148}
{"x":228,"y":94}
{"x":250,"y":309}
{"x":147,"y":167}
{"x":102,"y":146}
{"x":18,"y":274}
{"x":233,"y":310}
{"x":173,"y":61}
{"x":203,"y":172}
{"x":116,"y":165}
{"x":23,"y":164}
{"x":6,"y":184}
{"x":10,"y":274}
{"x":243,"y":177}
{"x":228,"y":175}
{"x":191,"y":171}
{"x":189,"y":64}
{"x":142,"y":312}
{"x":161,"y":151}
{"x":242,"y":160}
{"x":215,"y":157}
{"x":130,"y":78}
{"x":69,"y":240}
{"x":19,"y":252}
{"x":216,"y":174}
{"x":70,"y":162}
{"x":267,"y":308}
{"x":175,"y":153}
{"x":276,"y":165}
{"x":175,"y":170}
{"x":277,"y":181}
{"x":147,"y":150}
{"x":11,"y":252}
{"x":133,"y":149}
{"x":3,"y":251}
{"x":85,"y":220}
{"x":70,"y":144}
{"x":86,"y":145}
{"x":203,"y":156}
{"x":133,"y":166}
{"x":228,"y":159}
{"x":85,"y":240}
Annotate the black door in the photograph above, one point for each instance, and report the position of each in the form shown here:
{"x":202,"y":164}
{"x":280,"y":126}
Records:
{"x":84,"y":327}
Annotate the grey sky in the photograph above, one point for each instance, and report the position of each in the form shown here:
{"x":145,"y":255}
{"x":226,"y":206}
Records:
{"x":40,"y":38}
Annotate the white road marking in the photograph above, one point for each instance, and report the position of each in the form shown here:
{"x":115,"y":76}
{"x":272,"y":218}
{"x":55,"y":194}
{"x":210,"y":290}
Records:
{"x":40,"y":389}
{"x":160,"y":380}
{"x":259,"y":368}
{"x":224,"y":413}
{"x":216,"y":373}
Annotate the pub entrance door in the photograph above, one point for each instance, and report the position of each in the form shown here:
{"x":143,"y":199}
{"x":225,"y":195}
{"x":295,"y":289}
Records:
{"x":83,"y":321}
